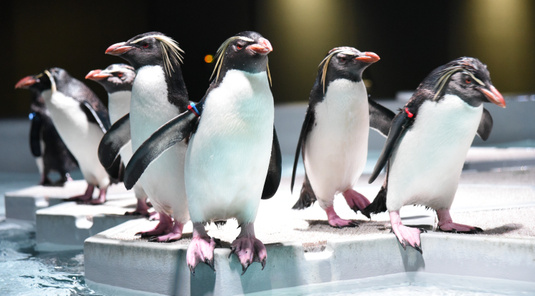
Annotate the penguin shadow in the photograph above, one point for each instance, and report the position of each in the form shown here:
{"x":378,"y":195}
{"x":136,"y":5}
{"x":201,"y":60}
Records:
{"x":503,"y":229}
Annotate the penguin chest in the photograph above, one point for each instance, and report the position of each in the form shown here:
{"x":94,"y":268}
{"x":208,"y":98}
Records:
{"x":336,"y":148}
{"x":118,"y":105}
{"x":426,"y":166}
{"x":79,"y":135}
{"x":228,"y":157}
{"x":149,"y":107}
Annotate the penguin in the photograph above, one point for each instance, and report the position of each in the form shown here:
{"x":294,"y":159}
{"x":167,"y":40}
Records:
{"x":117,"y":80}
{"x":428,"y":142}
{"x":158,"y":94}
{"x":334,"y":135}
{"x":49,"y":151}
{"x":81,"y":120}
{"x":233,"y":156}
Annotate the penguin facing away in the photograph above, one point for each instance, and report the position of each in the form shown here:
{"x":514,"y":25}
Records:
{"x":81,"y":120}
{"x":233,"y":158}
{"x":428,"y":142}
{"x":51,"y":154}
{"x":158,"y":94}
{"x":117,"y":80}
{"x":334,"y":135}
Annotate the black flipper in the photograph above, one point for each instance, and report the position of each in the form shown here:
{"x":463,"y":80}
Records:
{"x":35,"y":135}
{"x":399,"y":124}
{"x":172,"y":132}
{"x":380,"y":117}
{"x":273,"y":177}
{"x":108,"y":150}
{"x":378,"y":205}
{"x":485,"y":125}
{"x":305,"y":129}
{"x":307,"y":196}
{"x":92,"y":116}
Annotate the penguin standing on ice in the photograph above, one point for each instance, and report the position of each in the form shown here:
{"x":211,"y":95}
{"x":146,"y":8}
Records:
{"x":233,"y":157}
{"x":334,"y":135}
{"x":158,"y":94}
{"x":51,"y":154}
{"x":81,"y":120}
{"x":428,"y":142}
{"x":117,"y":80}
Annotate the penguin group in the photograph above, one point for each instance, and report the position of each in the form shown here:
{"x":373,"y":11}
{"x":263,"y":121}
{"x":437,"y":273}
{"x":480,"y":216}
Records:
{"x":214,"y":159}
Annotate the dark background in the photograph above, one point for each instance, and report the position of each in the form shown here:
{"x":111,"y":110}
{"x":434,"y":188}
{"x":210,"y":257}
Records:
{"x":411,"y":37}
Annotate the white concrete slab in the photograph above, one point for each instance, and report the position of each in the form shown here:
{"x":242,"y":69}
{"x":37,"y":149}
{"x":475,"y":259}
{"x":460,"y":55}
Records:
{"x":68,"y":224}
{"x":22,"y":204}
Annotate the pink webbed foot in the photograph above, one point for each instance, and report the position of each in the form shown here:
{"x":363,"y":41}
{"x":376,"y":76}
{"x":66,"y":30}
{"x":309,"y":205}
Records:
{"x":336,"y":221}
{"x":201,"y":248}
{"x":248,"y":248}
{"x":101,"y":198}
{"x":356,"y":201}
{"x":84,"y":198}
{"x":406,"y":235}
{"x":167,"y":230}
{"x":445,"y":223}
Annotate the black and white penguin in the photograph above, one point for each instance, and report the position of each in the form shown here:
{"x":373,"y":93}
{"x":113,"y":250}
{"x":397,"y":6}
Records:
{"x":428,"y":142}
{"x":81,"y":120}
{"x":233,"y":157}
{"x":158,"y":94}
{"x":117,"y":80}
{"x":51,"y":154}
{"x":334,"y":135}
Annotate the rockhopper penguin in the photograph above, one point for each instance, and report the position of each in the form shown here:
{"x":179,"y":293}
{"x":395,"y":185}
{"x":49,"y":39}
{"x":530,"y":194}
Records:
{"x":51,"y":154}
{"x":428,"y":142}
{"x":334,"y":135}
{"x":158,"y":94}
{"x":81,"y":120}
{"x":117,"y":80}
{"x":233,"y":157}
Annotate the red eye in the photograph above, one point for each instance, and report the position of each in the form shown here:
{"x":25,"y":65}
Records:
{"x":145,"y":45}
{"x":120,"y":75}
{"x":468,"y":80}
{"x":239,"y":46}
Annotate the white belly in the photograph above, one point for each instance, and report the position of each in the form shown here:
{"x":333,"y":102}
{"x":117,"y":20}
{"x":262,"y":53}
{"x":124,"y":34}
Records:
{"x":163,"y":180}
{"x":228,"y":157}
{"x":337,"y":146}
{"x":80,"y":136}
{"x":426,"y":166}
{"x":118,"y":105}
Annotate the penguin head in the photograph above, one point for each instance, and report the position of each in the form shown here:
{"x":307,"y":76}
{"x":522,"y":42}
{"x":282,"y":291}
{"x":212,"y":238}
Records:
{"x":467,"y":78}
{"x":345,"y":62}
{"x":115,"y":77}
{"x":246,"y":51}
{"x":152,"y":48}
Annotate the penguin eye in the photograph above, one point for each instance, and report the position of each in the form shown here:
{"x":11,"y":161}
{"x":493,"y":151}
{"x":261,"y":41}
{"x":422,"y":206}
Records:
{"x":145,"y":45}
{"x":120,"y":75}
{"x":467,"y":80}
{"x":239,"y":46}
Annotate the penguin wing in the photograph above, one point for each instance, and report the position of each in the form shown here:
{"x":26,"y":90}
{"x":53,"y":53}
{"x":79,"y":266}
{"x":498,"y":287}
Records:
{"x":380,"y":117}
{"x":305,"y":129}
{"x":273,"y":177}
{"x":485,"y":125}
{"x":399,"y":124}
{"x":93,"y":116}
{"x":108,"y":150}
{"x":35,"y":135}
{"x":172,"y":132}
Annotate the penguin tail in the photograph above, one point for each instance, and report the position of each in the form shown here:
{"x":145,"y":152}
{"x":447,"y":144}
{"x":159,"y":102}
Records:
{"x":378,"y":205}
{"x":307,"y":196}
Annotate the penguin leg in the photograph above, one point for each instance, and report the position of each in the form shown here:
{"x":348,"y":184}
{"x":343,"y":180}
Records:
{"x":336,"y":221}
{"x":87,"y":196}
{"x":445,"y":223}
{"x":355,"y":200}
{"x":201,"y":248}
{"x":406,"y":235}
{"x":142,"y":209}
{"x":248,"y":248}
{"x":101,"y":197}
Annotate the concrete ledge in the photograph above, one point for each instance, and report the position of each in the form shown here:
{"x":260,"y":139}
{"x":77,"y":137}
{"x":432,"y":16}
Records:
{"x":112,"y":266}
{"x":23,"y":204}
